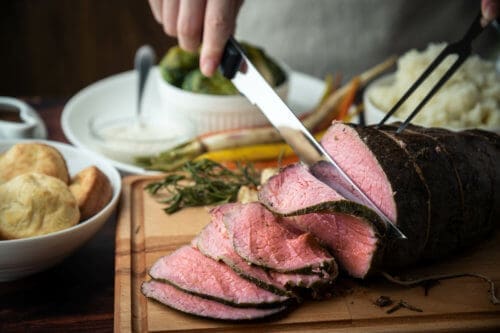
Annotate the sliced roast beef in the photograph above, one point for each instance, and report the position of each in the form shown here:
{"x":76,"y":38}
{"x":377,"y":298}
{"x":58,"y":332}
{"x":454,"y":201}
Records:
{"x":214,"y":242}
{"x":188,"y":269}
{"x":260,"y":239}
{"x":192,"y":304}
{"x":383,"y":170}
{"x":350,"y":230}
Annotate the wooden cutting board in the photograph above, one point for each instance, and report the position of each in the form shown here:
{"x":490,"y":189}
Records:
{"x":145,"y":232}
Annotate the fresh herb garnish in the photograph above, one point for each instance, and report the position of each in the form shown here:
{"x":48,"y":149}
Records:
{"x":201,"y":183}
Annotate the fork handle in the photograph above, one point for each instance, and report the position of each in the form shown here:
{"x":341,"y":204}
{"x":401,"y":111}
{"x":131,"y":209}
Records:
{"x":474,"y":30}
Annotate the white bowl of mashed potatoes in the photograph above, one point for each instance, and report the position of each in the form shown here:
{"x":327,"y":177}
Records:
{"x":48,"y":203}
{"x":469,"y":99}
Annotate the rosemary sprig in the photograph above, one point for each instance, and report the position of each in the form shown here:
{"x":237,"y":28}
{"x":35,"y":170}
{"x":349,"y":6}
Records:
{"x":201,"y":183}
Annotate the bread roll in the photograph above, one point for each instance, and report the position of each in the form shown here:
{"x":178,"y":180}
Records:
{"x":32,"y":157}
{"x":35,"y":204}
{"x":92,"y":191}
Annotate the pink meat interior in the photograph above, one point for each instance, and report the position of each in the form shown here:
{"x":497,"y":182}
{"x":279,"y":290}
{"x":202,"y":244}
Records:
{"x":352,"y":240}
{"x":353,"y":156}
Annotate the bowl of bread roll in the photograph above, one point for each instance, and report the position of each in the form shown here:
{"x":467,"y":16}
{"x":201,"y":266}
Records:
{"x":53,"y":199}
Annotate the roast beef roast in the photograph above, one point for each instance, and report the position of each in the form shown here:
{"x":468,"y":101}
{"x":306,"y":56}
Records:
{"x":438,"y":186}
{"x":441,"y":188}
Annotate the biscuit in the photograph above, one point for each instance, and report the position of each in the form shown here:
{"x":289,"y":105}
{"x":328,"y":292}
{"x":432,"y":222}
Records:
{"x":35,"y":204}
{"x":92,"y":191}
{"x":32,"y":157}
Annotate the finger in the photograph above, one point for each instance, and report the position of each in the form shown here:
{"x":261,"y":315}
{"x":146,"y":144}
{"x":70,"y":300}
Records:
{"x":220,"y":22}
{"x":490,"y":10}
{"x":170,"y":11}
{"x":155,"y":6}
{"x":190,"y":24}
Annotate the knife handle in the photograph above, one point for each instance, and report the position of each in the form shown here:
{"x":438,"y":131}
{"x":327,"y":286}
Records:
{"x":231,"y":59}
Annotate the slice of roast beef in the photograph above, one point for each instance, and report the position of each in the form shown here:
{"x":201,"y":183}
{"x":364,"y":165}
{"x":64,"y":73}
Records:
{"x":384,"y":171}
{"x":195,"y":305}
{"x":188,"y":269}
{"x":214,"y":242}
{"x":349,"y":230}
{"x":260,"y":239}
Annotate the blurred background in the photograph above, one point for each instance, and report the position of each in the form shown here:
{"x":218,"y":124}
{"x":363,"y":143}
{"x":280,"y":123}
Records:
{"x":57,"y":47}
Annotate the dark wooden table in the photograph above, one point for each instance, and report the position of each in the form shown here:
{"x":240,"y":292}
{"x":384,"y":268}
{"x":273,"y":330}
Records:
{"x":74,"y":296}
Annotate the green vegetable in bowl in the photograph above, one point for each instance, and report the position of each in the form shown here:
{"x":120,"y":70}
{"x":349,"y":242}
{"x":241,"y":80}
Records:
{"x":177,"y":63}
{"x":273,"y":74}
{"x":215,"y":85}
{"x":180,"y":68}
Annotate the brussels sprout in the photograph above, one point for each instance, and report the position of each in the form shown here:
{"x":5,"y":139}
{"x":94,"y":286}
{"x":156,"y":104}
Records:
{"x":273,"y":74}
{"x":176,"y":64}
{"x":180,"y":68}
{"x":195,"y":81}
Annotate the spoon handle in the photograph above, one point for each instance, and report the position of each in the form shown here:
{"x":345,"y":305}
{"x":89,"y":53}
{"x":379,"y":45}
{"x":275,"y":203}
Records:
{"x":144,"y":60}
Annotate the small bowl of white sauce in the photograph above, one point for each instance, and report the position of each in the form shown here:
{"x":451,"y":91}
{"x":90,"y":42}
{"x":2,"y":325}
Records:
{"x":126,"y":139}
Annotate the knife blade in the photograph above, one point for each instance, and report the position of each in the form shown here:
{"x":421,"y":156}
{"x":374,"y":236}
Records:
{"x":236,"y":66}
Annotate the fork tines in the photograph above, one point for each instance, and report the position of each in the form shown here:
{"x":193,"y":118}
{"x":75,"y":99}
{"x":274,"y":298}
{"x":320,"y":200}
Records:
{"x":462,"y":48}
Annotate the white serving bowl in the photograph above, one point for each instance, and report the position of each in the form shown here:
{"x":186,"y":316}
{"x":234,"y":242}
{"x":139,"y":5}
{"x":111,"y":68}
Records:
{"x":23,"y":257}
{"x":373,"y":115}
{"x":210,"y":113}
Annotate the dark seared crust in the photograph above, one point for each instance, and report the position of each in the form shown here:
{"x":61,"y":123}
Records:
{"x":491,"y":143}
{"x":343,"y":207}
{"x":410,"y":194}
{"x":446,"y":209}
{"x":473,"y":166}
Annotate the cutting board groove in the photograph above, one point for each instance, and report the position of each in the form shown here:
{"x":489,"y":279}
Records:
{"x":145,"y":233}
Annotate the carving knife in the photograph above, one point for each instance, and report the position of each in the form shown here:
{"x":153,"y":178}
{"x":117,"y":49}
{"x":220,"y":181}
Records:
{"x":236,"y":66}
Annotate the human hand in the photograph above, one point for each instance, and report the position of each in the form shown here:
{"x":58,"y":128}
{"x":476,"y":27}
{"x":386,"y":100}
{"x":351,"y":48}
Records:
{"x":209,"y":23}
{"x":490,"y":10}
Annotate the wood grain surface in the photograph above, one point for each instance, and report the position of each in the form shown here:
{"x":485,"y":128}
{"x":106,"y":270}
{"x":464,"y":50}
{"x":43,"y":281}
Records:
{"x":145,"y":232}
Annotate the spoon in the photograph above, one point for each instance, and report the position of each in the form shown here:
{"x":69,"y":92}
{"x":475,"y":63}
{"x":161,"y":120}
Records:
{"x":144,"y":60}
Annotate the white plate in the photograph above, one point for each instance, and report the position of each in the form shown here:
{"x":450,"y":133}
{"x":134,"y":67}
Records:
{"x":116,"y":95}
{"x":22,"y":257}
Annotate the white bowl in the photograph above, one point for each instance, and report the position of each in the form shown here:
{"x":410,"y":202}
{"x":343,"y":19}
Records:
{"x":373,"y":115}
{"x":29,"y":123}
{"x":23,"y":257}
{"x":210,"y":113}
{"x":125,"y":139}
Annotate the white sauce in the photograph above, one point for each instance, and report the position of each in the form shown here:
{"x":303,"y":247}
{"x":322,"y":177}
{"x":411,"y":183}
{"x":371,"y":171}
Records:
{"x":124,"y":142}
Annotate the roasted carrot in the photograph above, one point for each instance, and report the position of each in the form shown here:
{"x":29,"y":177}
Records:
{"x":348,"y":99}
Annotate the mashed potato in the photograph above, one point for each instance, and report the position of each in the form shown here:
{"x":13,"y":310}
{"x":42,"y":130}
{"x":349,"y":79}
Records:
{"x":470,"y":98}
